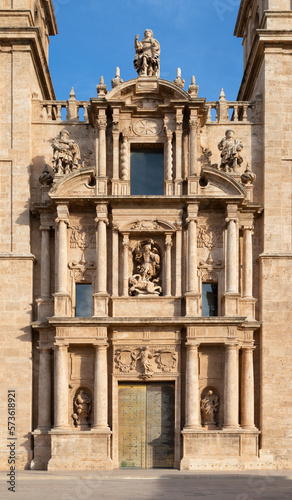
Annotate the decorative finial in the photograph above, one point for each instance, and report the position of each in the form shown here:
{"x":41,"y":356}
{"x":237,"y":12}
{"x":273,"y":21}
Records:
{"x":117,"y":80}
{"x":248,"y":177}
{"x":179,"y":81}
{"x":193,"y":88}
{"x":146,"y":61}
{"x":222,"y":95}
{"x":72,"y":94}
{"x":101,"y":88}
{"x":45,"y":179}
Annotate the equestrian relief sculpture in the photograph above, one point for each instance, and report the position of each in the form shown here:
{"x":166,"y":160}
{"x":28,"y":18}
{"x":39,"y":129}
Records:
{"x":146,"y":280}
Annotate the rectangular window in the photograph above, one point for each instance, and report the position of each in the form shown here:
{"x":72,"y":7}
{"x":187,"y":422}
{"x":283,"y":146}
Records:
{"x":209,"y":299}
{"x":83,"y":300}
{"x":147,"y":176}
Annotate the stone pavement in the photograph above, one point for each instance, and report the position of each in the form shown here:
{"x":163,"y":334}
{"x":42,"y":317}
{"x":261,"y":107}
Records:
{"x":129,"y":484}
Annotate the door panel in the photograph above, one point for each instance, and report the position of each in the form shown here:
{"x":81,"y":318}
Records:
{"x":146,"y":425}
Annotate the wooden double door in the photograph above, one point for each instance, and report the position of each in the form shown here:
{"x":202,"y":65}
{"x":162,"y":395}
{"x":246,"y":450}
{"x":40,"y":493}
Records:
{"x":146,"y":425}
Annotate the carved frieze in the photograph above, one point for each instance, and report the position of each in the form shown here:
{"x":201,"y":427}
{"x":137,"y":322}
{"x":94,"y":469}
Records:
{"x":146,"y":360}
{"x":82,"y":237}
{"x":147,"y":127}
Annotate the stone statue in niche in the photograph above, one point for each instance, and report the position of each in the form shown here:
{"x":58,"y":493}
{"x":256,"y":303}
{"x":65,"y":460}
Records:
{"x":146,"y":280}
{"x":66,"y":154}
{"x":230,"y":149}
{"x":82,"y":407}
{"x":209,"y":408}
{"x":146,"y":61}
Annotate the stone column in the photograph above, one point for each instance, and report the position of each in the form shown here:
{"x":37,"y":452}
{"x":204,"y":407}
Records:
{"x":231,"y":256}
{"x":247,"y":388}
{"x":115,"y":262}
{"x":116,"y":136}
{"x":102,"y":146}
{"x":61,"y":386}
{"x":101,"y":249}
{"x":169,"y":156}
{"x":193,"y":420}
{"x":100,"y":402}
{"x":62,"y":274}
{"x":193,"y":148}
{"x":178,"y":259}
{"x":168,"y":245}
{"x":44,"y":393}
{"x":247,"y":261}
{"x":125,"y":168}
{"x":231,"y":387}
{"x":45,"y":262}
{"x":178,"y":149}
{"x":192,"y":278}
{"x":126,"y":265}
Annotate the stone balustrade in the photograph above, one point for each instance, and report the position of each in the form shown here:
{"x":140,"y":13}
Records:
{"x":52,"y":111}
{"x":234,"y":111}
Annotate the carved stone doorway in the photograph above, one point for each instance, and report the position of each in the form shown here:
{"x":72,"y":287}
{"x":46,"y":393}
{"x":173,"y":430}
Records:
{"x":146,"y":425}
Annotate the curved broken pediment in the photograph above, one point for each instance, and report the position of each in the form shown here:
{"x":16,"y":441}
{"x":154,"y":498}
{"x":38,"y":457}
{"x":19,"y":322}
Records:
{"x":219,"y":184}
{"x":76,"y":184}
{"x":153,"y":225}
{"x":137,"y":88}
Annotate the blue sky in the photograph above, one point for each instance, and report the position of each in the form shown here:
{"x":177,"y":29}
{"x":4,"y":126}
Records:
{"x":95,"y":36}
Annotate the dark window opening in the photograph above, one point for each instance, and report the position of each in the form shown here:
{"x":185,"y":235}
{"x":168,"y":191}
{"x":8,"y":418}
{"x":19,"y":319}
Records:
{"x":210,"y":299}
{"x":147,"y":170}
{"x":83,"y":300}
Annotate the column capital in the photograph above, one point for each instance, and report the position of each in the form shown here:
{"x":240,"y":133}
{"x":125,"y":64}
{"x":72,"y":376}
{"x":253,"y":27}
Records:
{"x":248,"y":228}
{"x":168,"y":240}
{"x":231,"y":211}
{"x":101,"y":346}
{"x":192,"y":345}
{"x":63,"y":213}
{"x":231,"y":219}
{"x":101,"y":124}
{"x":193,"y":209}
{"x":126,"y":240}
{"x":59,"y":347}
{"x":248,"y":347}
{"x":44,"y":349}
{"x":101,"y":213}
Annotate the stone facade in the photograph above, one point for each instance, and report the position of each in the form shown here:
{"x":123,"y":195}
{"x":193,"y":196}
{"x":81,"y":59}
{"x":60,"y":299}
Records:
{"x":217,"y":236}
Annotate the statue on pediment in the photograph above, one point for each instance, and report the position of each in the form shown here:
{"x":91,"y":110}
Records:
{"x":146,"y":60}
{"x":66,"y":154}
{"x":230,"y":152}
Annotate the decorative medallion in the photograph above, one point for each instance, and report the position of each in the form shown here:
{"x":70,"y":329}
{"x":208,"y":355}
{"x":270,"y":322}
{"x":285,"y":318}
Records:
{"x":147,"y":127}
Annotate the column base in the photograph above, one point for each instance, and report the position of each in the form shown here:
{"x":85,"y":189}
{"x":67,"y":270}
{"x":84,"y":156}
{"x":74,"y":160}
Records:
{"x":45,"y":308}
{"x":247,"y":307}
{"x":100,"y":304}
{"x":81,"y":450}
{"x":62,"y":305}
{"x":178,"y":187}
{"x":120,"y":187}
{"x":193,"y":304}
{"x":220,"y":450}
{"x":101,"y":185}
{"x":42,"y":450}
{"x":193,"y":184}
{"x":168,"y":187}
{"x":230,"y":303}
